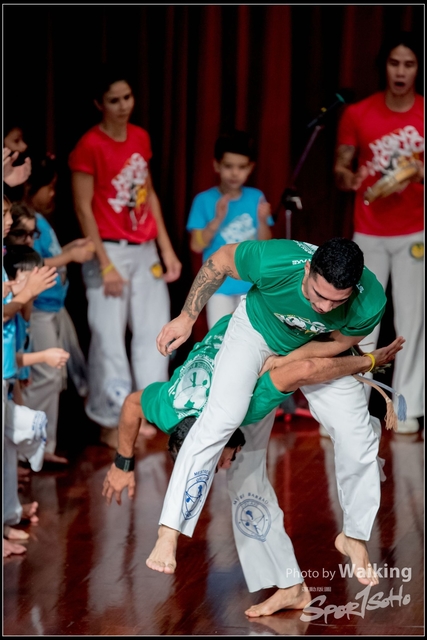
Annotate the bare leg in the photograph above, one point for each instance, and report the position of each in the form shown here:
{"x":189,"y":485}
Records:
{"x":357,"y":552}
{"x":295,"y":597}
{"x":29,"y":512}
{"x":54,"y":459}
{"x":162,"y":557}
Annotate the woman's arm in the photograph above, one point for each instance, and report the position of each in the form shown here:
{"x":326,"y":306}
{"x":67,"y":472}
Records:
{"x":83,"y":189}
{"x":171,"y":262}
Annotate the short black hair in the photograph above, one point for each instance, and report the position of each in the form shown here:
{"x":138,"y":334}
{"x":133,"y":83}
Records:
{"x":106,"y":75}
{"x":395,"y":39}
{"x":19,"y":211}
{"x":178,"y":436}
{"x":43,"y":171}
{"x":20,"y":256}
{"x":234,"y":141}
{"x":340,"y":261}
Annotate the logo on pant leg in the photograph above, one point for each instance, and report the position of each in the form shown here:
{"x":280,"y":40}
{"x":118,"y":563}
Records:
{"x":417,"y":250}
{"x":195,"y":494}
{"x":253,"y":519}
{"x":115,"y":393}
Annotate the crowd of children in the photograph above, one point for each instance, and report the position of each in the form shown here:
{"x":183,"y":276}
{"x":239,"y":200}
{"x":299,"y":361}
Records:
{"x":40,"y":342}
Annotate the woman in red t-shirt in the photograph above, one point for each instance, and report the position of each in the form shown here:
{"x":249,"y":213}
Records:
{"x":118,"y":208}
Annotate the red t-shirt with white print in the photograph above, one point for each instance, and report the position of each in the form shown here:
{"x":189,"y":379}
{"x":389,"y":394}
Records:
{"x":380,"y":136}
{"x":120,"y":171}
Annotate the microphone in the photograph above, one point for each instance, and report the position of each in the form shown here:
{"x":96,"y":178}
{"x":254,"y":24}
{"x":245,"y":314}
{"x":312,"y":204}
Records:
{"x":341,"y":97}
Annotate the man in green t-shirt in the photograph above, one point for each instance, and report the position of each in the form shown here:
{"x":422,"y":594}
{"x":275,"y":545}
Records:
{"x":299,"y":292}
{"x":183,"y":399}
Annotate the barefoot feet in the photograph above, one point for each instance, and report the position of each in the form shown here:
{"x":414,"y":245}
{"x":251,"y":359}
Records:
{"x":29,"y":512}
{"x":295,"y":597}
{"x":10,"y":548}
{"x":162,"y":557}
{"x":357,"y":552}
{"x":14,"y":534}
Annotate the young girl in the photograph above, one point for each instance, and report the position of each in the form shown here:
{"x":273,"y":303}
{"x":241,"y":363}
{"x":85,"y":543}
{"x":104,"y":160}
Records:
{"x":118,"y":208}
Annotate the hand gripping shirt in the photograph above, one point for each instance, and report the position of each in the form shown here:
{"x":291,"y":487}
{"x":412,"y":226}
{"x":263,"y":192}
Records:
{"x":165,"y":404}
{"x":277,"y":308}
{"x":120,"y":172}
{"x":241,"y":223}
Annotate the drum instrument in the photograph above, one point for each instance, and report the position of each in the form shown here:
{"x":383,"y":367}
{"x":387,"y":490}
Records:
{"x":393,"y":181}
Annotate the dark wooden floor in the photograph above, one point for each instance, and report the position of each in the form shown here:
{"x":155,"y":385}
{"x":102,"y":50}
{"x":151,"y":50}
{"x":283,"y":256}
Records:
{"x":84,"y":572}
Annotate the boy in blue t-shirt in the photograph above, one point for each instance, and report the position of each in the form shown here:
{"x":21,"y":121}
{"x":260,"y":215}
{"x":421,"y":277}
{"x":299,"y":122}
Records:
{"x":229,"y":213}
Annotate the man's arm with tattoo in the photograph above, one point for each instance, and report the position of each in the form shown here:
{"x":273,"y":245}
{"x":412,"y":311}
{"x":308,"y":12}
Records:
{"x":346,"y":179}
{"x":210,"y":277}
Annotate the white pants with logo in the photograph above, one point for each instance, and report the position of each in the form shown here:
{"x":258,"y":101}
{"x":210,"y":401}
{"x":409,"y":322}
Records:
{"x":402,"y":259}
{"x":144,"y":306}
{"x":340,"y":405}
{"x":265,"y":550}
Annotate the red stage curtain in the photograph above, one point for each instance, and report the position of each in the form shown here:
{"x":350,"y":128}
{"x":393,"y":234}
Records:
{"x":199,"y":69}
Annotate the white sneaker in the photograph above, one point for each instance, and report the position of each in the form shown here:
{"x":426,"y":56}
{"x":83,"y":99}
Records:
{"x":323,"y":432}
{"x":411,"y":425}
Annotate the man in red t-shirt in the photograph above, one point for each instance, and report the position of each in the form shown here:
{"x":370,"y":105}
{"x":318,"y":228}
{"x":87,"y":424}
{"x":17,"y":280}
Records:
{"x":384,"y":135}
{"x":125,"y":285}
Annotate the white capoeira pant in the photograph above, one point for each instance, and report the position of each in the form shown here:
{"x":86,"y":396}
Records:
{"x":220,"y":305}
{"x":402,"y":259}
{"x":144,"y":306}
{"x":265,"y":550}
{"x":24,"y":434}
{"x":42,"y":394}
{"x":341,"y":405}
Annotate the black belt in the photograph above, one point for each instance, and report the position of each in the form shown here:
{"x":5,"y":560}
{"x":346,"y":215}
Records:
{"x":120,"y":241}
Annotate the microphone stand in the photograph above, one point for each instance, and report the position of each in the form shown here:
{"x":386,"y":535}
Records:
{"x":291,"y":201}
{"x":290,"y":198}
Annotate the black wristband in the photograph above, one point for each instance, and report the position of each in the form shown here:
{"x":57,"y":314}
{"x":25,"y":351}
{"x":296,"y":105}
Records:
{"x":125,"y":464}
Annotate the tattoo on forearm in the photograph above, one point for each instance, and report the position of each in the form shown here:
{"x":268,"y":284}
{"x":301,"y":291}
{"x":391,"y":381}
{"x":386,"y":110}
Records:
{"x":344,"y":165}
{"x":207,"y":281}
{"x":345,"y":155}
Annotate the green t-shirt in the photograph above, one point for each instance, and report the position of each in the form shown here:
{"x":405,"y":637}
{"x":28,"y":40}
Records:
{"x":277,"y":308}
{"x":167,"y":403}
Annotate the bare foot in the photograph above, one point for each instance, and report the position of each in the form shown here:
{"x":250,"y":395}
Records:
{"x":357,"y":552}
{"x":148,"y":431}
{"x":162,"y":557}
{"x":14,"y":534}
{"x":11,"y":547}
{"x":295,"y":597}
{"x":54,"y":459}
{"x":109,"y":436}
{"x":29,"y":512}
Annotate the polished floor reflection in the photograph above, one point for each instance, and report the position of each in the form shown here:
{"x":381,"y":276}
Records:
{"x":84,"y":572}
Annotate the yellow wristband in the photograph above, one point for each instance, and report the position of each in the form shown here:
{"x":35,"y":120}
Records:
{"x":107,"y":269}
{"x":372,"y":360}
{"x":199,"y":238}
